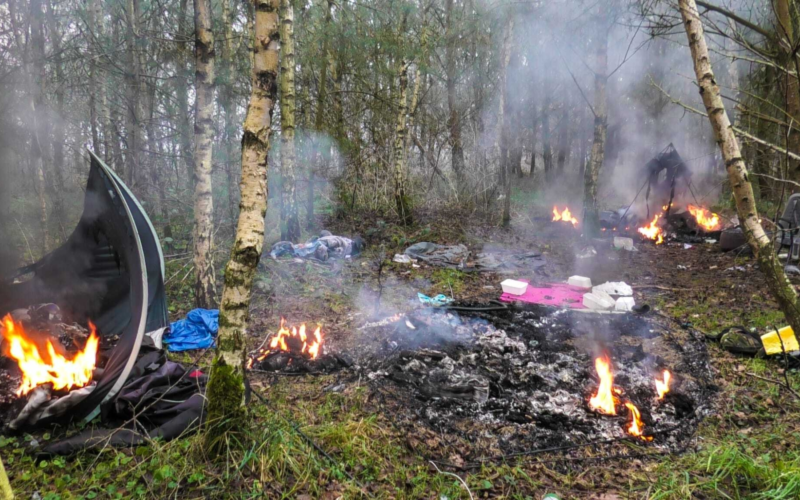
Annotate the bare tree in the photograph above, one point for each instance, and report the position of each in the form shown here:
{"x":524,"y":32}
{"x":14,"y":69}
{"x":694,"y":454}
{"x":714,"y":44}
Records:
{"x":289,"y":215}
{"x":205,"y":281}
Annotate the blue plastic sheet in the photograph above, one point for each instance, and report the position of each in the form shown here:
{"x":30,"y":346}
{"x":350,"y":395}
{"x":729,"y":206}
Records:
{"x":196,"y":331}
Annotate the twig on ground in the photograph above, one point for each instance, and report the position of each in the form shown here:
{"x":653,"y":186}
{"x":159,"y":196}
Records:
{"x":776,"y":382}
{"x":463,"y":483}
{"x":659,"y":287}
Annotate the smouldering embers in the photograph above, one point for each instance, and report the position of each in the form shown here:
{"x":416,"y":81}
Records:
{"x":605,"y":400}
{"x":294,"y":340}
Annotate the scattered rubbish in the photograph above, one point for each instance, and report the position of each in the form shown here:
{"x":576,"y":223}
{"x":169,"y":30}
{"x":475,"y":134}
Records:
{"x":621,"y":243}
{"x":514,"y":287}
{"x":710,"y":241}
{"x":439,"y":300}
{"x":553,"y":294}
{"x":196,"y":331}
{"x":624,"y":304}
{"x":775,"y":345}
{"x":686,"y":246}
{"x":586,"y":253}
{"x":459,"y":257}
{"x":713,"y":267}
{"x":580,"y":281}
{"x":741,"y":269}
{"x":598,"y":301}
{"x":682,"y":268}
{"x":402,"y":259}
{"x":614,"y":288}
{"x":454,"y":256}
{"x":794,"y":270}
{"x":321,"y":247}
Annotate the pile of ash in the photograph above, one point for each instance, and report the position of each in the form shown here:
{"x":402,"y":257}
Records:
{"x":522,"y":377}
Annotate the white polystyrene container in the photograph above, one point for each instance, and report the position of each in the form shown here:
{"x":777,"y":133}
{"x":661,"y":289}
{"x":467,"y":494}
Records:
{"x":514,"y":287}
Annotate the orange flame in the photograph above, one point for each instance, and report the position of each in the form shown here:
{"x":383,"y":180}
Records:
{"x":636,"y":426}
{"x":705,"y":219}
{"x":653,"y":231}
{"x":663,"y":386}
{"x":565,"y":216}
{"x":604,"y":401}
{"x":292,"y":340}
{"x":52,"y":368}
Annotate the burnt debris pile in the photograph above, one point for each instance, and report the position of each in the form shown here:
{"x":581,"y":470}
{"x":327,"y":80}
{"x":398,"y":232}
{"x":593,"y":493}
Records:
{"x":512,"y":379}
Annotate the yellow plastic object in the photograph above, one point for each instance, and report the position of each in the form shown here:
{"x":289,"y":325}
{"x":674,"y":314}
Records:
{"x":772,"y":344}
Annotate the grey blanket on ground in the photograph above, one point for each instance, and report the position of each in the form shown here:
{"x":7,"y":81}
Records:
{"x":459,"y":257}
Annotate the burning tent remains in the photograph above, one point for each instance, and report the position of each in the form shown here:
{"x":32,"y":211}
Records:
{"x":507,"y":380}
{"x":75,"y":323}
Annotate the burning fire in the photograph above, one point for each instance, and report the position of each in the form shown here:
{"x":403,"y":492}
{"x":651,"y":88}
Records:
{"x":40,"y":368}
{"x":565,"y":216}
{"x":653,"y":231}
{"x":604,"y":401}
{"x":294,"y":340}
{"x":662,"y":386}
{"x":636,"y":427}
{"x":705,"y":219}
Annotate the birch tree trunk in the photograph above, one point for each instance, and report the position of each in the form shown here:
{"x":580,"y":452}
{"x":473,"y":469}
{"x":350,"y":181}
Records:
{"x":502,"y":129}
{"x":228,"y":106}
{"x":758,"y":240}
{"x":291,"y":221}
{"x":399,"y":150}
{"x":182,"y":82}
{"x":226,"y":384}
{"x":205,"y":281}
{"x":592,"y":172}
{"x":454,"y":118}
{"x":327,"y":71}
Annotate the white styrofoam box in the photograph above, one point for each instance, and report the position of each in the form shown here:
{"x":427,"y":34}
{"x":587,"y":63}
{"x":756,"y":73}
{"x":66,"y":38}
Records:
{"x":614,"y":288}
{"x":514,"y":287}
{"x":622,"y":242}
{"x":580,"y":281}
{"x":624,"y":304}
{"x":598,"y":302}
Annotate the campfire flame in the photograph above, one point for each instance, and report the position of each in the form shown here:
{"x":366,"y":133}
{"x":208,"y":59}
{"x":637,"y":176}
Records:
{"x":604,"y":401}
{"x":294,"y":340}
{"x":636,"y":426}
{"x":50,"y":367}
{"x":662,"y":386}
{"x":565,"y":216}
{"x":653,"y":231}
{"x":705,"y":218}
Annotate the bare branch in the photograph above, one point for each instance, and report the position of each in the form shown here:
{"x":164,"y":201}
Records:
{"x":739,"y":20}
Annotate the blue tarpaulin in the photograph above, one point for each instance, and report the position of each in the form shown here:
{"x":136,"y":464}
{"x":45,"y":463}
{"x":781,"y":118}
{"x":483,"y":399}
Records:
{"x":196,"y":331}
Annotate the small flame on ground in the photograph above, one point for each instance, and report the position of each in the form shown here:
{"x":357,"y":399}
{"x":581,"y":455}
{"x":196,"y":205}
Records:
{"x":51,"y":367}
{"x":705,"y":218}
{"x":565,"y":216}
{"x":291,"y":340}
{"x":662,"y":386}
{"x":653,"y":231}
{"x":636,"y":426}
{"x":604,"y":401}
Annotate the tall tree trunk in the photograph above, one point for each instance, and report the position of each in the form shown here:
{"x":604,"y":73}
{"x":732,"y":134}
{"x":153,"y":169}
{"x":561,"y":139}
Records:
{"x":590,"y":179}
{"x":228,"y":106}
{"x":547,"y":147}
{"x":454,"y":119}
{"x":226,"y":385}
{"x":327,"y":66}
{"x":134,"y":75}
{"x":205,"y":281}
{"x":290,"y":217}
{"x":502,"y":128}
{"x":399,"y":150}
{"x":182,"y":83}
{"x":785,"y":28}
{"x":563,"y":138}
{"x":40,"y":144}
{"x":759,"y":242}
{"x":57,"y":175}
{"x":94,"y":123}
